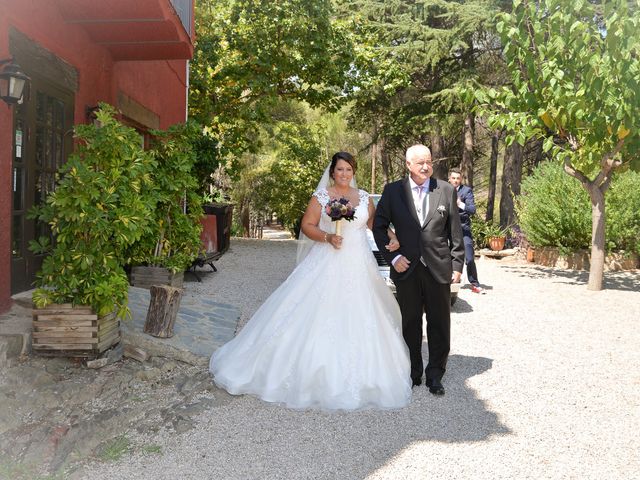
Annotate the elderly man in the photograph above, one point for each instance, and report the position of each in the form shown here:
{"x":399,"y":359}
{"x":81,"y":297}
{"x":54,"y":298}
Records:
{"x":424,"y":214}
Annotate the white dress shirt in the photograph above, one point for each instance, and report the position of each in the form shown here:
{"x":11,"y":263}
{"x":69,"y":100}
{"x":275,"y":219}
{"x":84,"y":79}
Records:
{"x":420,"y":202}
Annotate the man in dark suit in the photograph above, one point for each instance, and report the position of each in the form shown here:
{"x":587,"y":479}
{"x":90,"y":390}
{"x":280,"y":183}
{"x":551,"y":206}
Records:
{"x":466,"y":208}
{"x":424,"y":214}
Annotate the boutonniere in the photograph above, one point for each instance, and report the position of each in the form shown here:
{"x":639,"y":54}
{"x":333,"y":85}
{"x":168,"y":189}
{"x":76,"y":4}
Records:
{"x":441,"y":209}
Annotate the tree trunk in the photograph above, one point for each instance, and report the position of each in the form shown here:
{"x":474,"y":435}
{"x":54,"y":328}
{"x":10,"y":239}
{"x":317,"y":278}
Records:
{"x":596,"y":269}
{"x":493,"y":174}
{"x":386,"y":161}
{"x":245,"y":218}
{"x":466,"y":166}
{"x":511,"y":178}
{"x":163,"y":310}
{"x":374,"y":159}
{"x":596,"y":189}
{"x":539,"y":156}
{"x":440,"y":166}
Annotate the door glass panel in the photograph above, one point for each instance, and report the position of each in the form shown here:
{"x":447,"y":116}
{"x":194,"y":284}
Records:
{"x":41,"y":106}
{"x":41,"y":188}
{"x":49,"y":148}
{"x":48,"y":111}
{"x":59,"y":114}
{"x":59,"y":150}
{"x":18,"y":188}
{"x":57,"y":162}
{"x":16,"y":237}
{"x":40,"y":146}
{"x":44,"y":230}
{"x":51,"y":185}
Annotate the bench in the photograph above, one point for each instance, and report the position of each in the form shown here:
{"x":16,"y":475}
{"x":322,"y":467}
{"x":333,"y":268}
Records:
{"x":205,"y":259}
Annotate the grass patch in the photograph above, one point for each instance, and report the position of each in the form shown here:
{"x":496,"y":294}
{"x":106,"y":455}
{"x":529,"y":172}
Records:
{"x":114,"y":449}
{"x":151,"y":449}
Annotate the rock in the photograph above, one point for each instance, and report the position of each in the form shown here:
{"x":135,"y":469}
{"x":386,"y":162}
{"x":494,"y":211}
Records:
{"x":136,"y":353}
{"x":115,"y":353}
{"x":109,"y":357}
{"x":98,"y":363}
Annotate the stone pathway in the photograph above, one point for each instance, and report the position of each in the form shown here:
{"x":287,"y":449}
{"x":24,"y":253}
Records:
{"x":202,"y":325}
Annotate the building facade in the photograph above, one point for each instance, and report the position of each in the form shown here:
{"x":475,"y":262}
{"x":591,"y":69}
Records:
{"x":77,"y":53}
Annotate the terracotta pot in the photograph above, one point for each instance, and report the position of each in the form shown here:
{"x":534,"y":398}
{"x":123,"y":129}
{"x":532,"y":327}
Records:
{"x":531,"y":254}
{"x":496,"y":243}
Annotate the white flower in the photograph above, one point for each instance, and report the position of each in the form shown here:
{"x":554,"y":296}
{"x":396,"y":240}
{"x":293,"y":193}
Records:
{"x":441,"y":209}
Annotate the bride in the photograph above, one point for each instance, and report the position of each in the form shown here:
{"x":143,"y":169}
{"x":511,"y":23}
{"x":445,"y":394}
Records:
{"x":330,"y":336}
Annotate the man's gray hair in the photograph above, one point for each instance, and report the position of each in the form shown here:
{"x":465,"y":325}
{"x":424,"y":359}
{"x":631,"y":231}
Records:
{"x":417,"y":151}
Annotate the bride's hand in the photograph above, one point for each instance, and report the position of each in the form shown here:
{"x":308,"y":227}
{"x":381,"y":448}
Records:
{"x":335,"y":240}
{"x":393,"y":245}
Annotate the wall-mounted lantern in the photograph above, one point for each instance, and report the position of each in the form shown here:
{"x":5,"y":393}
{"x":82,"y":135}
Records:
{"x":12,"y":81}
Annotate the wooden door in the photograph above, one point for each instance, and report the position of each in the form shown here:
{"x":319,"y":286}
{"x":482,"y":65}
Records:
{"x":42,"y":140}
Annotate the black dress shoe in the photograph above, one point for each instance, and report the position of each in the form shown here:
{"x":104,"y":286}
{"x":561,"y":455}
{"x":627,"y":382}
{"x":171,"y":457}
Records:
{"x":435,"y":387}
{"x":416,"y":382}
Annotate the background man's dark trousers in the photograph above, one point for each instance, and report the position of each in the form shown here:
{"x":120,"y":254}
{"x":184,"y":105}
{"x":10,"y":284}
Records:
{"x":469,"y":258}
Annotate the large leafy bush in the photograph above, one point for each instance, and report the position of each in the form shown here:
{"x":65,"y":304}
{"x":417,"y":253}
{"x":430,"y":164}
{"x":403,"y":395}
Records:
{"x":554,"y":210}
{"x":96,"y":212}
{"x":172,"y":239}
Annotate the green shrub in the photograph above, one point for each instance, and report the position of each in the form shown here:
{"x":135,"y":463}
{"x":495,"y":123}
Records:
{"x":96,"y":212}
{"x":623,"y":213}
{"x":555,"y":210}
{"x":172,"y":239}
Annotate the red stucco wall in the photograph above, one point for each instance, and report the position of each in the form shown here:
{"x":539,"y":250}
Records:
{"x":5,"y":202}
{"x":6,"y":127}
{"x":166,"y":98}
{"x":158,"y":85}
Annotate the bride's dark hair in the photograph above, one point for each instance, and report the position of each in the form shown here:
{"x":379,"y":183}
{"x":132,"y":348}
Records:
{"x":346,"y":156}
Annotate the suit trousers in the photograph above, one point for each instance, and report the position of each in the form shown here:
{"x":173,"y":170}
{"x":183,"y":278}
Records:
{"x":419,"y":293}
{"x":470,"y":261}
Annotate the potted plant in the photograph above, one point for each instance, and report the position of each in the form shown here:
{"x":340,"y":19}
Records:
{"x":495,"y":235}
{"x":95,"y":213}
{"x":172,"y":240}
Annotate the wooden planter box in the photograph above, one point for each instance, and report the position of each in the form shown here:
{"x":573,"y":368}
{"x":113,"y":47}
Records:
{"x":64,"y":330}
{"x":144,"y":277}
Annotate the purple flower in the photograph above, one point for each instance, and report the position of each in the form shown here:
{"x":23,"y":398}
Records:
{"x":340,"y":209}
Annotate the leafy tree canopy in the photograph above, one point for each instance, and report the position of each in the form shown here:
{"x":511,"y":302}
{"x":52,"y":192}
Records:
{"x":250,"y":53}
{"x":413,"y":58}
{"x":575,"y":76}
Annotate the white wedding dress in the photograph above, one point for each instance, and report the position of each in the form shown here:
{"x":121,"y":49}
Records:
{"x":329,"y":337}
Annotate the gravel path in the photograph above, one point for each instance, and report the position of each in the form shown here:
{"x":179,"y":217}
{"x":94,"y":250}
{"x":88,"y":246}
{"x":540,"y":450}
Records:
{"x":543,"y":383}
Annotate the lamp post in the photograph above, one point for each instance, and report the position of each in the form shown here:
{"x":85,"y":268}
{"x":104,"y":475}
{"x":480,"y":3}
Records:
{"x":12,"y":81}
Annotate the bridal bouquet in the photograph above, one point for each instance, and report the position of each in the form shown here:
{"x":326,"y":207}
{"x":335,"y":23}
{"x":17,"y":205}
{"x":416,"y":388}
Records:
{"x":340,"y":209}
